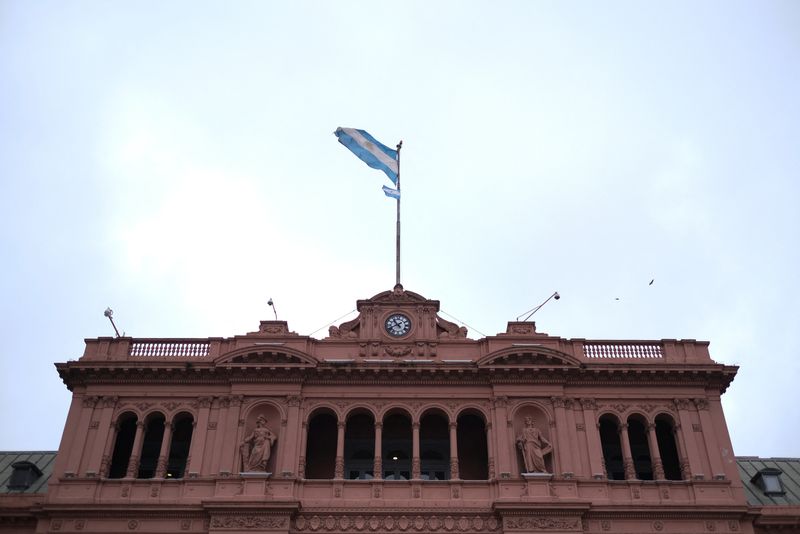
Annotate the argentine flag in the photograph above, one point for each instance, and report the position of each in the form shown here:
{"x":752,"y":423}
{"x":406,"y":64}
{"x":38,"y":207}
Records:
{"x":369,"y":150}
{"x":391,"y":193}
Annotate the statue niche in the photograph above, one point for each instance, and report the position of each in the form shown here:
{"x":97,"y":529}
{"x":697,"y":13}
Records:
{"x":256,"y":448}
{"x":533,"y":444}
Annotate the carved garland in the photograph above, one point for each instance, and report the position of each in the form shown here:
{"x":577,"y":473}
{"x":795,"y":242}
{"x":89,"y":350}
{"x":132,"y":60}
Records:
{"x":237,"y":522}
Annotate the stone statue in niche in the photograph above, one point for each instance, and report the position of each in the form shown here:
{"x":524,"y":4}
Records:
{"x":534,"y":447}
{"x":257,"y":446}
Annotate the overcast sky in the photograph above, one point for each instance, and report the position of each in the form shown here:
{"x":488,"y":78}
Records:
{"x":175,"y":161}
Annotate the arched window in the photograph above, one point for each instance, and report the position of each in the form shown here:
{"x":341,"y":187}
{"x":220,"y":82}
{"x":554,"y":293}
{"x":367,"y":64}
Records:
{"x":640,"y":450}
{"x":321,"y":446}
{"x":667,"y":448}
{"x":151,"y":445}
{"x":396,"y":446}
{"x":182,"y":428}
{"x":473,"y":454}
{"x":434,"y":446}
{"x":359,"y":446}
{"x":612,"y":447}
{"x":123,"y":445}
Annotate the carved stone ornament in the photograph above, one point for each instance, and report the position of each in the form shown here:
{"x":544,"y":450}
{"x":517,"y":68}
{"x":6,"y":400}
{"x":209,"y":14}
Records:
{"x":589,"y":404}
{"x":658,"y":526}
{"x":542,"y":523}
{"x":170,"y":405}
{"x":238,"y":522}
{"x":256,"y":448}
{"x":446,"y":329}
{"x":347,"y":329}
{"x":397,"y":350}
{"x":403,"y":523}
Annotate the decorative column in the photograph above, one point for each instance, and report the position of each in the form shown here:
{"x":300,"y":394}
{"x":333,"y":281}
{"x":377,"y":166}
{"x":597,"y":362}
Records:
{"x":301,"y":461}
{"x":163,"y":455}
{"x":490,"y":451}
{"x":339,"y":469}
{"x":686,"y":471}
{"x":690,"y":463}
{"x":709,"y":435}
{"x":627,"y":456}
{"x":377,"y":468}
{"x":81,"y":433}
{"x":592,"y":427}
{"x":136,"y":451}
{"x":104,"y":437}
{"x":288,"y":448}
{"x":573,"y":438}
{"x":415,"y":462}
{"x":563,"y":444}
{"x":197,"y":447}
{"x":230,"y":445}
{"x":501,"y":424}
{"x":454,"y":451}
{"x":655,"y":455}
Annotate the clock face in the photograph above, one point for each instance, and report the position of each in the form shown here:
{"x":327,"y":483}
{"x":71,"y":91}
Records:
{"x":398,"y":325}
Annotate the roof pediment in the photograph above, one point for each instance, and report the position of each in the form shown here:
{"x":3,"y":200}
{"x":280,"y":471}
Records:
{"x":527,"y":357}
{"x":397,"y":296}
{"x":268,"y":355}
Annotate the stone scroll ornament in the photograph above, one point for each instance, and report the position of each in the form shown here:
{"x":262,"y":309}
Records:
{"x":534,"y":447}
{"x":257,"y":446}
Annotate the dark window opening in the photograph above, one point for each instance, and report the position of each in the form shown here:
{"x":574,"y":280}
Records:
{"x":151,"y":446}
{"x":642,"y":463}
{"x":359,"y":447}
{"x":769,"y":480}
{"x":434,"y":444}
{"x":396,"y":447}
{"x":23,"y":476}
{"x":321,"y":447}
{"x":123,"y":446}
{"x":667,"y":448}
{"x":612,"y":448}
{"x":179,"y":447}
{"x":473,"y":453}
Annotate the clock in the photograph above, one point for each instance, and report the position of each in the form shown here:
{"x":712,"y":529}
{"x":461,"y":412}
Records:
{"x":397,"y":325}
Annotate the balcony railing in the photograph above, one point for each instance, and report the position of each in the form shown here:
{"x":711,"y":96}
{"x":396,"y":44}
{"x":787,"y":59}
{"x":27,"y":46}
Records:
{"x":169,"y":350}
{"x":622,"y":350}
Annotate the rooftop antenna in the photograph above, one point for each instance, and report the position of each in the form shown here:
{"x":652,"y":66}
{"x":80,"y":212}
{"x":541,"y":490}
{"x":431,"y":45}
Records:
{"x":272,"y":305}
{"x":530,"y":312}
{"x":110,"y":314}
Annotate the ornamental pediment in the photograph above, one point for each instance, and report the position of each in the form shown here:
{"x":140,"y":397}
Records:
{"x":267,"y":355}
{"x":529,"y":356}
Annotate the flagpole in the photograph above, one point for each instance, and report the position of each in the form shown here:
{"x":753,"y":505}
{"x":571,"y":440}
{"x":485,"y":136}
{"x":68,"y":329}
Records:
{"x":397,"y":265}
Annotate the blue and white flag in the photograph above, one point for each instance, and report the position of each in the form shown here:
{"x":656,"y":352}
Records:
{"x":370,"y":151}
{"x":389,"y":192}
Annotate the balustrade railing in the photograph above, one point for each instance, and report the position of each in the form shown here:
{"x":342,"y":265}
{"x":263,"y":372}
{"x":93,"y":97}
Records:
{"x":175,"y":349}
{"x":621,"y":350}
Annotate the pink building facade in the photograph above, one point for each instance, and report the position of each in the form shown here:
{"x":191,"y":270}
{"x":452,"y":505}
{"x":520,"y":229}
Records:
{"x":395,"y":423}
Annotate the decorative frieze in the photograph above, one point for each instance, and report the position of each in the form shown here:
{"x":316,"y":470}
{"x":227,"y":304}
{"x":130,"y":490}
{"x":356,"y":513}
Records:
{"x":239,"y":522}
{"x":394,"y":523}
{"x":549,"y":524}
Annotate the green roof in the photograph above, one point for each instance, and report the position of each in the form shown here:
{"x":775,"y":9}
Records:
{"x":749,"y":466}
{"x":44,"y":460}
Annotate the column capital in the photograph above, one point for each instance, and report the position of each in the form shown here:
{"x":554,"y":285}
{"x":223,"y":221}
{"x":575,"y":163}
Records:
{"x":378,"y":424}
{"x":453,"y":425}
{"x":340,"y":425}
{"x":415,"y":425}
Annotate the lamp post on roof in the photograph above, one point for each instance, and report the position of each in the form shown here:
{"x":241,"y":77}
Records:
{"x":110,"y":314}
